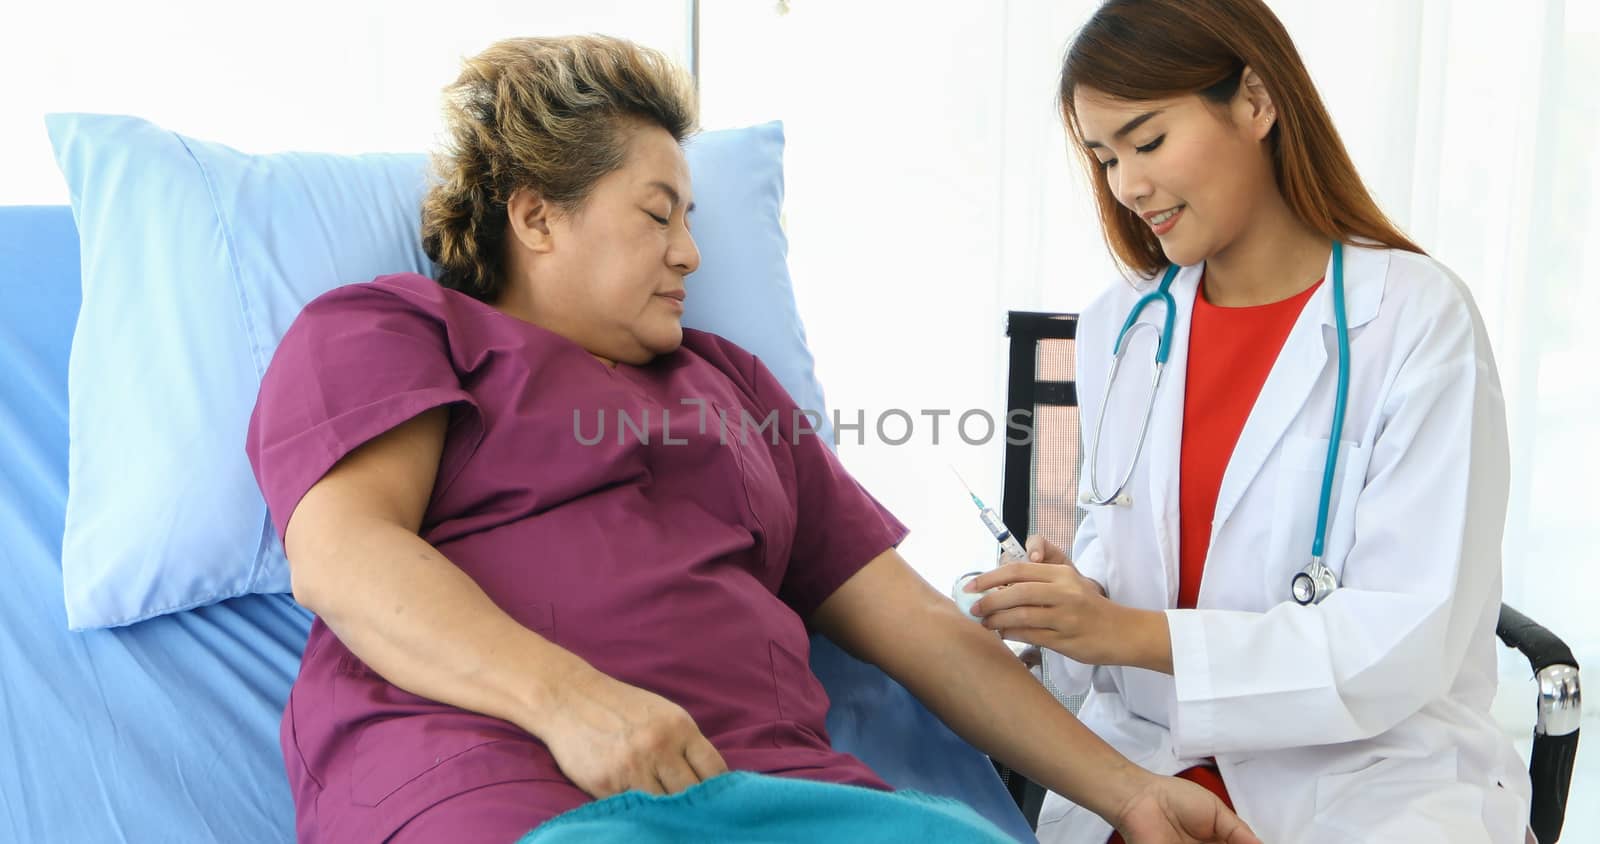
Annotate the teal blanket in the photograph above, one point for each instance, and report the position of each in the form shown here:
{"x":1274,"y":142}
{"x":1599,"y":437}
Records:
{"x":747,"y":807}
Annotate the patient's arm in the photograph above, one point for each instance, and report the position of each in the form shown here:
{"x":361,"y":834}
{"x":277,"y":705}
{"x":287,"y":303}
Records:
{"x":357,"y":561}
{"x":888,"y":615}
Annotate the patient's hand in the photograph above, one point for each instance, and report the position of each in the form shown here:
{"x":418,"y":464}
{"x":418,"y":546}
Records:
{"x":610,"y":737}
{"x":1172,"y":811}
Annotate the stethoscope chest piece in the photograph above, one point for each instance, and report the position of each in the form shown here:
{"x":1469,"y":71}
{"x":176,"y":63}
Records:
{"x":1313,"y":584}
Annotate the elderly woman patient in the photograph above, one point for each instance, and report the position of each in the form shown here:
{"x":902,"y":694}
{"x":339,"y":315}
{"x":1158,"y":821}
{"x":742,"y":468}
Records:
{"x":514,"y":621}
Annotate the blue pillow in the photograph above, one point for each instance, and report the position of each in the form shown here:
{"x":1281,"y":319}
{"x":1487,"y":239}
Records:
{"x":197,"y":257}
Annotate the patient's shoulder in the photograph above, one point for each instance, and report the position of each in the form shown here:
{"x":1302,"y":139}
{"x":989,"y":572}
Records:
{"x":401,"y":287}
{"x":759,"y":387}
{"x":407,"y":308}
{"x":405,"y":304}
{"x":360,"y":320}
{"x":407,"y":292}
{"x":724,"y":354}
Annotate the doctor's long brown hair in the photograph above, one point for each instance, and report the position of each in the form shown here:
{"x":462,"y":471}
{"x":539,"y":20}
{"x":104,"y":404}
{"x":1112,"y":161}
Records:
{"x":1160,"y":49}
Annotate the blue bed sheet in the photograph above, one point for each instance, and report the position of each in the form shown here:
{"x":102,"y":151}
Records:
{"x":168,"y":730}
{"x":165,"y":731}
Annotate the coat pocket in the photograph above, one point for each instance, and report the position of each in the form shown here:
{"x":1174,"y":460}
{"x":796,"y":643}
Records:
{"x":1301,"y":468}
{"x":1409,"y":798}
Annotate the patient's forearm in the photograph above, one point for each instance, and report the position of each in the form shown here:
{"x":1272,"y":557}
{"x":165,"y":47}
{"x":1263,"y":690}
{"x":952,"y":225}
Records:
{"x":425,"y":626}
{"x":968,"y":677}
{"x":888,"y":615}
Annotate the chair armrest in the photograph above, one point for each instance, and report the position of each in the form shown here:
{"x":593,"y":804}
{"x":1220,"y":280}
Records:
{"x":1560,"y":693}
{"x":1555,"y":739}
{"x":1540,"y":646}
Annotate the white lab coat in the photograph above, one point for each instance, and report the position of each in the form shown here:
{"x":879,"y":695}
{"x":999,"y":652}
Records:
{"x":1365,"y":718}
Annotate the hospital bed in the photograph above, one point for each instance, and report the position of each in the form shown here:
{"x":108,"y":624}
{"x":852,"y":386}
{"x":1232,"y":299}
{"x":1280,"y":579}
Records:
{"x":1041,"y":482}
{"x":167,"y":730}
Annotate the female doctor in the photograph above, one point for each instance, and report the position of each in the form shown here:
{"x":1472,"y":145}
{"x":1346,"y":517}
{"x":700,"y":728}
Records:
{"x":1350,"y":704}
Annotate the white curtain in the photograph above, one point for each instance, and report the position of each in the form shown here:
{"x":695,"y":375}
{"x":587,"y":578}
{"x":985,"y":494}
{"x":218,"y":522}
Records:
{"x":324,"y":75}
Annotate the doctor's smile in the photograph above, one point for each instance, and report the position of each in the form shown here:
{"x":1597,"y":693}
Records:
{"x":1162,"y":222}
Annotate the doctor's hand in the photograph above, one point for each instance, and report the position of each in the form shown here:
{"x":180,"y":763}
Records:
{"x":609,"y":737}
{"x":1041,"y":550}
{"x":1172,"y":811}
{"x":1051,"y":605}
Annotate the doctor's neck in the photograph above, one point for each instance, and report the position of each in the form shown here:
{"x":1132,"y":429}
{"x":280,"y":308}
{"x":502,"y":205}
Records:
{"x":1274,"y":257}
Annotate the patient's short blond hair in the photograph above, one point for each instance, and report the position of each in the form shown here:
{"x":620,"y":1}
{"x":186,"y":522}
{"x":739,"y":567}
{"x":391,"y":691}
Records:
{"x":550,"y":114}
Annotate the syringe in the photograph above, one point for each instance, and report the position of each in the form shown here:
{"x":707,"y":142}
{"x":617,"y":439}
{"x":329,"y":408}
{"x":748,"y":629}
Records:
{"x":1009,"y":546}
{"x":1010,"y":549}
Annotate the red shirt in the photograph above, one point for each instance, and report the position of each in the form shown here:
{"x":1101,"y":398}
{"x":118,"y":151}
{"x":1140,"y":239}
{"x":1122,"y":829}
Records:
{"x":1231,"y":350}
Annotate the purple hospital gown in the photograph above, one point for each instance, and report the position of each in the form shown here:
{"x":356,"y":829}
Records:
{"x":672,"y":551}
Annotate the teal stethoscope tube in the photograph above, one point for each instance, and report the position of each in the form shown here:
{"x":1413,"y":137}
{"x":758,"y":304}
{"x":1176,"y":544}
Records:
{"x":1342,"y":326}
{"x":1316,"y":581}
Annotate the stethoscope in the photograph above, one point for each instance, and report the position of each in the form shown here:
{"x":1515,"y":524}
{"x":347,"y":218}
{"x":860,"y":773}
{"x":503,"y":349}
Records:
{"x":1316,"y":581}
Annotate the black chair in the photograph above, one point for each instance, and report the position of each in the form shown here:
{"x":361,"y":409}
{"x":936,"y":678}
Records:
{"x":1041,"y":483}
